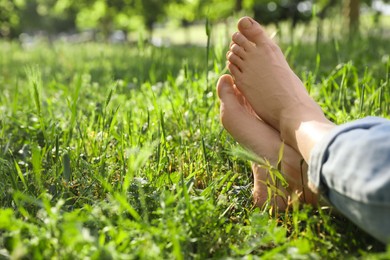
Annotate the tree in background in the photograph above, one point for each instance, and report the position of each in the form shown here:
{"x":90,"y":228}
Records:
{"x":108,"y":15}
{"x":104,"y":16}
{"x":9,"y":18}
{"x":193,"y":10}
{"x":152,"y":11}
{"x":53,"y":16}
{"x":238,"y":5}
{"x":352,"y":13}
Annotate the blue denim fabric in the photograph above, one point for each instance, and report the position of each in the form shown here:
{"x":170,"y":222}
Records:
{"x":351,"y":168}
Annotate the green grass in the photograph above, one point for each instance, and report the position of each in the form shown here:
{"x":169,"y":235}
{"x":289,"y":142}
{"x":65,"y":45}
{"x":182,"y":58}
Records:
{"x":117,"y":152}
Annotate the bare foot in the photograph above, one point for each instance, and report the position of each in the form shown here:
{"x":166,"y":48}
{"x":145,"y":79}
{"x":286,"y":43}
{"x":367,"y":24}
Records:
{"x":264,"y":77}
{"x":250,"y":131}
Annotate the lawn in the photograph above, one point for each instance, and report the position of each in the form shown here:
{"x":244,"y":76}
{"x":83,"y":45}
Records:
{"x":116,"y":151}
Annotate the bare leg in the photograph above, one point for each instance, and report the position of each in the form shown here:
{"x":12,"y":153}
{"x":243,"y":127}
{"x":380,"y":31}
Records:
{"x":249,"y":130}
{"x":277,"y":95}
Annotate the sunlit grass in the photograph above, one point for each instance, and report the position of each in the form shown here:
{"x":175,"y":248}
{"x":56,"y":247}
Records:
{"x":116,"y":151}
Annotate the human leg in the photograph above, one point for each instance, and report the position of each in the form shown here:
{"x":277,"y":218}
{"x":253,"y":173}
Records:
{"x":348,"y":177}
{"x":351,"y":168}
{"x":275,"y":92}
{"x":249,"y":130}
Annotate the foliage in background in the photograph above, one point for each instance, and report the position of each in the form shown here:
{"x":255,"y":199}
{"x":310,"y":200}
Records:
{"x":106,"y":16}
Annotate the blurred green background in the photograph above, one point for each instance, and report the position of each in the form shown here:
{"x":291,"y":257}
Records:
{"x":117,"y":19}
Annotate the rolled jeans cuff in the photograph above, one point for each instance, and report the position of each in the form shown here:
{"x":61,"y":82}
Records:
{"x":350,"y":167}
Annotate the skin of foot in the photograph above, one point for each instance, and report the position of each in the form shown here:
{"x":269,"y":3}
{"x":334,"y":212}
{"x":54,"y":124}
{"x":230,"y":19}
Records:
{"x":274,"y":91}
{"x":241,"y":121}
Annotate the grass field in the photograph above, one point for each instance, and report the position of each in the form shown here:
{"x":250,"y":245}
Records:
{"x":117,"y":152}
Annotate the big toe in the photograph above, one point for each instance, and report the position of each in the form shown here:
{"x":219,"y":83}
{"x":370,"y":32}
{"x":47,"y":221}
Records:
{"x":243,"y":125}
{"x":225,"y":88}
{"x":252,"y":30}
{"x":232,"y":111}
{"x":230,"y":102}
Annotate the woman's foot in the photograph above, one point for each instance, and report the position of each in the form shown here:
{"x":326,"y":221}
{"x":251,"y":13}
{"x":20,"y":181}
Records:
{"x":250,"y":131}
{"x":263,"y":76}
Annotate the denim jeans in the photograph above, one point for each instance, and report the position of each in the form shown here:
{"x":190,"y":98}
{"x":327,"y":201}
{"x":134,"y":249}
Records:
{"x":350,"y":167}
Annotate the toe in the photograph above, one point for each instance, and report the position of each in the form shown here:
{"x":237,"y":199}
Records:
{"x":252,"y":30}
{"x":238,"y":50}
{"x":231,"y":110}
{"x":225,"y":89}
{"x":243,"y":125}
{"x":236,"y":60}
{"x":234,"y":70}
{"x":239,"y":39}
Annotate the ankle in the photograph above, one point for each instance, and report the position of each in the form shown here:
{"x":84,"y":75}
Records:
{"x":298,"y":120}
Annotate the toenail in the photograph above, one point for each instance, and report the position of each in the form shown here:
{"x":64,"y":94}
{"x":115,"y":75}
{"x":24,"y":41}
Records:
{"x":246,"y":23}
